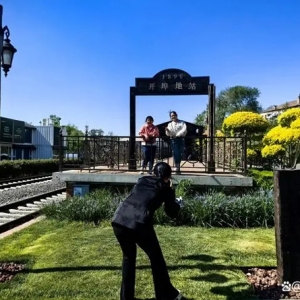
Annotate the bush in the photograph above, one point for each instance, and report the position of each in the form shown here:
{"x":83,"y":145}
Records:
{"x":287,"y":117}
{"x":282,"y":135}
{"x":95,"y":207}
{"x":263,"y":179}
{"x":272,"y":151}
{"x":250,"y":122}
{"x":211,"y":209}
{"x":22,"y":168}
{"x":296,"y":124}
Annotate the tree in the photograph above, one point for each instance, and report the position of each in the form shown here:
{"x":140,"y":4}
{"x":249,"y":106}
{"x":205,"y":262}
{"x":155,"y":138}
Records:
{"x":55,"y":120}
{"x":233,"y":99}
{"x":284,"y":138}
{"x":96,"y":132}
{"x":238,"y":122}
{"x":74,"y":139}
{"x":201,"y":119}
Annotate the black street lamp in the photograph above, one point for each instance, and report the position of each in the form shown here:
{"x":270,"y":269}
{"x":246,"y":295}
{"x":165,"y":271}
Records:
{"x":8,"y":51}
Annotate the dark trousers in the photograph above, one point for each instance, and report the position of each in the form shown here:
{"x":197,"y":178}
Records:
{"x":149,"y":155}
{"x":177,"y":145}
{"x":146,"y":239}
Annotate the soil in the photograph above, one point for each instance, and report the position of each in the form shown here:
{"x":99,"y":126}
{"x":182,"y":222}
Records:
{"x":9,"y":270}
{"x":265,"y":284}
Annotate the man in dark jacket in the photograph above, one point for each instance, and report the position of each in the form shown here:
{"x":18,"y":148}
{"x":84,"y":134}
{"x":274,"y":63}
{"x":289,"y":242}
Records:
{"x":133,"y":225}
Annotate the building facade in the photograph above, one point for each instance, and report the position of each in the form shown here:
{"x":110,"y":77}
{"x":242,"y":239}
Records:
{"x":275,"y":110}
{"x":20,"y":140}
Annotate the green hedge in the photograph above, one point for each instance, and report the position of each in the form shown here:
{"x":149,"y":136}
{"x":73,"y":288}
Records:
{"x":23,"y":168}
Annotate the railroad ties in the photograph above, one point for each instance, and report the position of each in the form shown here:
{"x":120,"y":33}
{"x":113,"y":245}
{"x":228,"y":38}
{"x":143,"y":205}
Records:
{"x":17,"y":213}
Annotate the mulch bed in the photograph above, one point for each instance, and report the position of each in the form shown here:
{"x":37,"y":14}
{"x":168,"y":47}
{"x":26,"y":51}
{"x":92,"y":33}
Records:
{"x":8,"y":270}
{"x":265,"y":284}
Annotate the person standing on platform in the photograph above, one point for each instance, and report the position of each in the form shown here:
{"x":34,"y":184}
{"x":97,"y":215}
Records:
{"x":149,"y":132}
{"x":176,"y":130}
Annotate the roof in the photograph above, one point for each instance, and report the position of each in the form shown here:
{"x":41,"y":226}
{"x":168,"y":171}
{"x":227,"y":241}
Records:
{"x":27,"y":125}
{"x":294,"y":103}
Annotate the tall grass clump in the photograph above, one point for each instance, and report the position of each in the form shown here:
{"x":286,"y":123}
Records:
{"x":216,"y":209}
{"x":208,"y":209}
{"x":95,"y":207}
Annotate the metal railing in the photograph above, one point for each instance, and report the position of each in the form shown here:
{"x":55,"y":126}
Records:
{"x":112,"y":153}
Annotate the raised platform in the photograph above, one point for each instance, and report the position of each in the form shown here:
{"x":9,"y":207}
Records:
{"x":126,"y":177}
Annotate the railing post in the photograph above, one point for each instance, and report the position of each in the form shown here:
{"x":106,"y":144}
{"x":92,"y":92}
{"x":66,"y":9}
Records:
{"x":211,"y":126}
{"x":245,"y":152}
{"x":61,"y":151}
{"x":85,"y":151}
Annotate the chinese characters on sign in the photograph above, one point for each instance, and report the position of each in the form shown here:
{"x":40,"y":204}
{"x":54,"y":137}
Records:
{"x":178,"y":86}
{"x":172,"y":82}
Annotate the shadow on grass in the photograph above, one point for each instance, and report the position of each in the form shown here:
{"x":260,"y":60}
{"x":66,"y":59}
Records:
{"x":201,"y":257}
{"x":201,"y":267}
{"x":228,"y":291}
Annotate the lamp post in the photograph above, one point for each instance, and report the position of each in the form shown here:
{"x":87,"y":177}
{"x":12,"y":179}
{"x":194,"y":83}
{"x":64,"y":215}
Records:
{"x":7,"y":50}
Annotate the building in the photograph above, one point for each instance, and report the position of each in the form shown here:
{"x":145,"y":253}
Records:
{"x":276,"y":110}
{"x":20,"y":140}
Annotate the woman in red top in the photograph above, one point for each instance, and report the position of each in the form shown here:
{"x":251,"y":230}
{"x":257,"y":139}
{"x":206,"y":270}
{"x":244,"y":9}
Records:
{"x":149,"y":132}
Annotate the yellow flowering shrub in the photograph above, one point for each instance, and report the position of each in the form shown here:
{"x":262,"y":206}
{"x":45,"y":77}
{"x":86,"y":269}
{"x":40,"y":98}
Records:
{"x":244,"y":120}
{"x":296,"y":124}
{"x":271,"y":151}
{"x":282,"y":136}
{"x":251,"y":154}
{"x":287,"y":117}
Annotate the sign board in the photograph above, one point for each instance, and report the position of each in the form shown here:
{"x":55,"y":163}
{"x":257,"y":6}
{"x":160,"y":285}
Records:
{"x":172,"y":82}
{"x":80,"y":190}
{"x":6,"y":130}
{"x":19,"y":131}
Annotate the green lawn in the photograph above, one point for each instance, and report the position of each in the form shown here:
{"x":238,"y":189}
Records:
{"x":80,"y":261}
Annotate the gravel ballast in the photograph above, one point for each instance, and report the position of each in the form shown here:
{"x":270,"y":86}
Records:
{"x":15,"y":194}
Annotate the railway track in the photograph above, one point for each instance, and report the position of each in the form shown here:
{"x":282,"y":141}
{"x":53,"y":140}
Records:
{"x":16,"y":213}
{"x":19,"y":182}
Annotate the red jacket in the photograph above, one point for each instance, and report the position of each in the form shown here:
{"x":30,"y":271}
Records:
{"x":149,"y":133}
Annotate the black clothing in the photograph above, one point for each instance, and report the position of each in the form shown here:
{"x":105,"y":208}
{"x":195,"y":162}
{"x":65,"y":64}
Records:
{"x":133,"y":225}
{"x":145,"y":198}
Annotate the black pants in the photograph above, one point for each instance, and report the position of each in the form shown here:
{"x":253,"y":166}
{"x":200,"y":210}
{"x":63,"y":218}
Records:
{"x":149,"y":155}
{"x":146,"y":239}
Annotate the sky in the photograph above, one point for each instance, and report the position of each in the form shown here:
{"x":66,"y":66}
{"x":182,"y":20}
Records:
{"x":78,"y":59}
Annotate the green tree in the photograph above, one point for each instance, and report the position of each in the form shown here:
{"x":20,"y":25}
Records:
{"x":96,"y":132}
{"x":74,"y":139}
{"x":231,"y":100}
{"x":201,"y":119}
{"x":55,"y":120}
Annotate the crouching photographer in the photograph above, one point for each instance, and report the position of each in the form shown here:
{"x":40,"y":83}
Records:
{"x":133,"y":225}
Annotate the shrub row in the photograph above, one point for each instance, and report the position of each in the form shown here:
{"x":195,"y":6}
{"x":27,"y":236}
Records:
{"x":23,"y":168}
{"x":211,"y":209}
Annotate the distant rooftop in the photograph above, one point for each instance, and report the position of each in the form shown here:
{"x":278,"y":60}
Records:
{"x":286,"y":105}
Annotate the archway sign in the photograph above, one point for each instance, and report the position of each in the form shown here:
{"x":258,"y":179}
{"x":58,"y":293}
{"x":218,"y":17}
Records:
{"x":172,"y":82}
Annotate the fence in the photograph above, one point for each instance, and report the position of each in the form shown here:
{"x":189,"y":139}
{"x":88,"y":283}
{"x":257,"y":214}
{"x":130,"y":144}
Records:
{"x":112,"y":153}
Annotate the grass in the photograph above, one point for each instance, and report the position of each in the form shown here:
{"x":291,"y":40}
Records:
{"x":81,"y":261}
